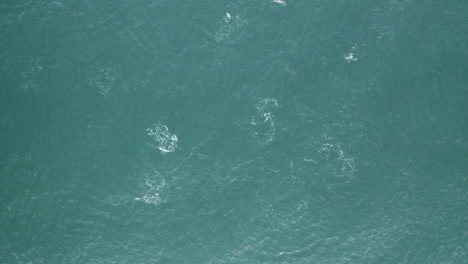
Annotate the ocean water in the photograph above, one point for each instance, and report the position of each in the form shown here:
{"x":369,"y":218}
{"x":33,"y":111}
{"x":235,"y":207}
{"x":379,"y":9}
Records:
{"x":295,"y":131}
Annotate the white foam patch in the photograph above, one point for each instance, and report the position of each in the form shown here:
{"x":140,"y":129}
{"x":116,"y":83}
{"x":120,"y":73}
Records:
{"x":103,"y":81}
{"x":165,"y":140}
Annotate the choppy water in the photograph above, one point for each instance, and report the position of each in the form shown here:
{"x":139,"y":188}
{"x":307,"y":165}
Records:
{"x":241,"y":131}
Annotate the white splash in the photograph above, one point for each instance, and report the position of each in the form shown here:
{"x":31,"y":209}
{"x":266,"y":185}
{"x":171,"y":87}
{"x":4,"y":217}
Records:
{"x":350,"y":57}
{"x":281,"y":2}
{"x":166,"y":141}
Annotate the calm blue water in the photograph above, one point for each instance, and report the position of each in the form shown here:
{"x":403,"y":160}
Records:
{"x":233,"y":132}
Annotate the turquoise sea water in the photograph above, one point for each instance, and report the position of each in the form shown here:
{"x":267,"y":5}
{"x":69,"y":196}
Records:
{"x":233,"y":131}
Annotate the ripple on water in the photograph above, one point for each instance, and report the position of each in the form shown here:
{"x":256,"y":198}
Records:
{"x":228,"y":25}
{"x":262,"y":122}
{"x":103,"y":81}
{"x":153,"y":187}
{"x":29,"y":75}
